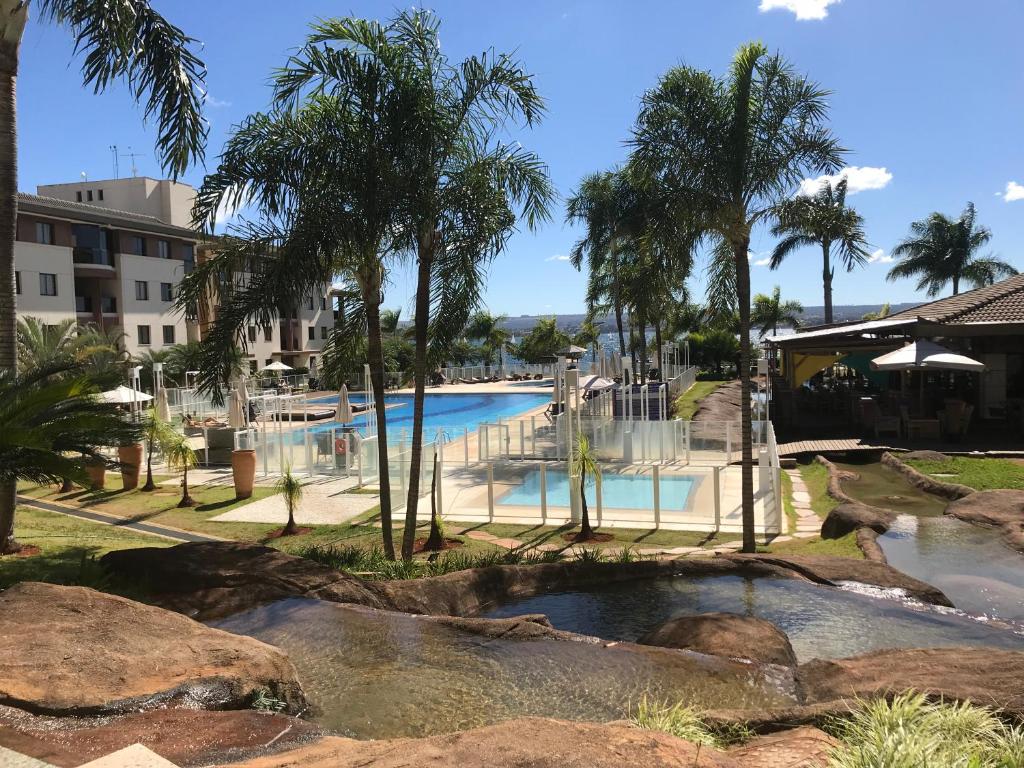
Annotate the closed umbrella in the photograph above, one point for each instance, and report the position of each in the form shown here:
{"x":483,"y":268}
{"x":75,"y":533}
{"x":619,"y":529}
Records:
{"x":343,"y":415}
{"x":236,"y":414}
{"x":163,"y":409}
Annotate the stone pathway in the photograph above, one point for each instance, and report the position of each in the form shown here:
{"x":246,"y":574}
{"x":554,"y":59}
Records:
{"x":808,"y":524}
{"x":324,"y":502}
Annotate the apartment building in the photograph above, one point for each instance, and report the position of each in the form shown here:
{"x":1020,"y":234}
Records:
{"x":112,"y":252}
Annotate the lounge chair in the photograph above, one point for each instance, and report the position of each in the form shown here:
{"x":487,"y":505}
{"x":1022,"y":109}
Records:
{"x":927,"y":428}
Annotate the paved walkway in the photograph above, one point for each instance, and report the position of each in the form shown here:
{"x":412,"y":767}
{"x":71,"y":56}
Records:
{"x":120,"y":522}
{"x":325,"y":501}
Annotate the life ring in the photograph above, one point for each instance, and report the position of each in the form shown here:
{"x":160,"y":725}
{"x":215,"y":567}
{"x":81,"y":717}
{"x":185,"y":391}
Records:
{"x":340,"y":446}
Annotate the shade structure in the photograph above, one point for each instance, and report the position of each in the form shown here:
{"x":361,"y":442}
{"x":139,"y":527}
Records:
{"x":596,"y":383}
{"x":277,"y":365}
{"x":343,"y":414}
{"x":236,"y":410}
{"x":572,"y":351}
{"x":925,"y":355}
{"x":123,"y":395}
{"x":163,"y":409}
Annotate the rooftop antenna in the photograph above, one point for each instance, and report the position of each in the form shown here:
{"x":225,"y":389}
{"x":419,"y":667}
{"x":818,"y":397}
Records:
{"x":131,"y":156}
{"x":84,"y":175}
{"x":113,"y":153}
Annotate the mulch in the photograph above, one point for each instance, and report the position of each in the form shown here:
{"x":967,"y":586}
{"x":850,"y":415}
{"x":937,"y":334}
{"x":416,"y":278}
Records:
{"x":419,"y":544}
{"x":278,"y":533}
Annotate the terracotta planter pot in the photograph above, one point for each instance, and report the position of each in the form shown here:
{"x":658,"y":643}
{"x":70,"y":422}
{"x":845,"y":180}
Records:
{"x":130,"y":457}
{"x":243,"y":470}
{"x":97,"y":476}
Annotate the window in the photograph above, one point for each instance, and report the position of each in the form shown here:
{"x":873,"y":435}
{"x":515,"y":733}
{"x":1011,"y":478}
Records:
{"x":88,"y":195}
{"x":323,"y":303}
{"x":252,"y":333}
{"x":100,"y":194}
{"x":323,"y":331}
{"x":166,"y":292}
{"x":92,"y":245}
{"x":188,"y":255}
{"x":312,"y":333}
{"x":168,"y":334}
{"x":143,"y":334}
{"x":268,"y":333}
{"x":252,"y":366}
{"x":44,"y":232}
{"x":268,"y":361}
{"x":47,"y":284}
{"x":163,"y":249}
{"x":17,"y":283}
{"x":78,"y":196}
{"x":141,"y":290}
{"x":135,"y":244}
{"x":309,"y":302}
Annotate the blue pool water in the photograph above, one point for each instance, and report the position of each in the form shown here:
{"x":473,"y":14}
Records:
{"x":628,"y":491}
{"x":444,"y":411}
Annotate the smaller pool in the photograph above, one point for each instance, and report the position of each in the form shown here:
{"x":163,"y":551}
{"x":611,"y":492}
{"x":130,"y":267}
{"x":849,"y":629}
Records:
{"x":618,"y":491}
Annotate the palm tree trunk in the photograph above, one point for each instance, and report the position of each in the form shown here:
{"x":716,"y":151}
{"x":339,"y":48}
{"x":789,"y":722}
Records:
{"x":617,"y":301}
{"x":375,"y":355}
{"x":12,"y":23}
{"x":643,"y":346}
{"x":956,"y":283}
{"x":150,"y":485}
{"x":740,"y":249}
{"x":427,"y":243}
{"x":290,"y":529}
{"x":657,"y":344}
{"x":586,"y":531}
{"x":186,"y":499}
{"x":826,"y":278}
{"x":435,"y":541}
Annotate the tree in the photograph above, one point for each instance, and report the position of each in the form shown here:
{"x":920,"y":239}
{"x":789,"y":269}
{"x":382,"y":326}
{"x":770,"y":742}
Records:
{"x":435,"y":540}
{"x":882,"y":312}
{"x":291,"y":489}
{"x":727,"y":152}
{"x":53,"y":426}
{"x":542,"y":343}
{"x":588,"y":335}
{"x":489,"y":330}
{"x":180,"y":456}
{"x":584,"y":462}
{"x":124,"y":40}
{"x":941,"y":250}
{"x":821,"y":219}
{"x":713,"y":347}
{"x":769,"y":312}
{"x":156,"y":432}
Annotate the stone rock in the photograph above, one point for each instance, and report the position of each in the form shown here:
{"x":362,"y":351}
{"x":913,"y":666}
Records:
{"x":848,"y":517}
{"x":725,"y":634}
{"x":533,"y":742}
{"x":805,"y":747}
{"x":984,"y":676}
{"x":924,"y":482}
{"x":210,"y":580}
{"x":1001,"y":508}
{"x":72,"y":650}
{"x":924,"y":456}
{"x":183,"y":736}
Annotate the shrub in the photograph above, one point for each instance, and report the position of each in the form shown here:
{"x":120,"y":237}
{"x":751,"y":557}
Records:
{"x":685,"y":722}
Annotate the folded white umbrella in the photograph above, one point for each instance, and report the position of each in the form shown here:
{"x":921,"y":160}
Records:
{"x":343,"y":415}
{"x":925,"y":355}
{"x":236,"y":412}
{"x":163,"y":409}
{"x":123,"y":395}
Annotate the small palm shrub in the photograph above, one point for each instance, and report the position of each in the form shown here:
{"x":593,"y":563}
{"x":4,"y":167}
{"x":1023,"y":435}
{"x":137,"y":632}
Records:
{"x":291,"y":489}
{"x":685,"y":722}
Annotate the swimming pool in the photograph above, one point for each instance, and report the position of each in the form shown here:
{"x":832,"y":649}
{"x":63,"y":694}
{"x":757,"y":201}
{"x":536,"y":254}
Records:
{"x":618,"y":491}
{"x":443,"y":411}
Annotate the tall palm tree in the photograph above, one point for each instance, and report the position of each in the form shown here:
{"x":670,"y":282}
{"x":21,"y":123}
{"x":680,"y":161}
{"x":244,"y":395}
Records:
{"x":489,"y":330}
{"x":126,"y":41}
{"x":822,"y":219}
{"x":769,"y":312}
{"x":728,"y":151}
{"x":53,"y":425}
{"x":941,"y":250}
{"x":323,"y":173}
{"x":542,"y":342}
{"x":157,"y":433}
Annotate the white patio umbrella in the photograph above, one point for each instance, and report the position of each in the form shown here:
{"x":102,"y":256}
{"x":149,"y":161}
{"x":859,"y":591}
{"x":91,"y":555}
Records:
{"x":343,"y":414}
{"x":123,"y":395}
{"x":163,"y":409}
{"x":236,"y":411}
{"x":925,"y":355}
{"x":277,"y":365}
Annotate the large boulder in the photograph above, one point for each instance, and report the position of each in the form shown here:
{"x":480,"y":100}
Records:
{"x":72,"y":650}
{"x":926,"y":483}
{"x":984,"y":676}
{"x":804,"y":747}
{"x":1001,"y":508}
{"x":533,"y":742}
{"x":725,"y":634}
{"x":209,"y":580}
{"x":851,"y":516}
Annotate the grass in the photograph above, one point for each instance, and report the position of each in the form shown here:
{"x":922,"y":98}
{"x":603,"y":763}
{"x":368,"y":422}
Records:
{"x":687,"y":403}
{"x":787,"y":502}
{"x":685,"y":722}
{"x":815,"y":477}
{"x":844,"y":547}
{"x":621,"y":537}
{"x":981,"y":474}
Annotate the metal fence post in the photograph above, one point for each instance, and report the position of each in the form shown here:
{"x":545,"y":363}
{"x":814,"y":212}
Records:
{"x":597,"y":498}
{"x":657,"y":496}
{"x":490,"y":491}
{"x":728,"y":442}
{"x":522,"y":439}
{"x":465,"y":443}
{"x":544,"y":493}
{"x":717,"y":474}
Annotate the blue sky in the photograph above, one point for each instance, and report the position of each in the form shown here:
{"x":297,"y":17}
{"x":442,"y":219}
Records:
{"x":927,"y":96}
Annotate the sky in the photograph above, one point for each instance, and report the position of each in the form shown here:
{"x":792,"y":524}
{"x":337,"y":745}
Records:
{"x":926,"y":95}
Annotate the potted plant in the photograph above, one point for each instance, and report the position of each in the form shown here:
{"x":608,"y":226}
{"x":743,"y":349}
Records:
{"x":97,"y":471}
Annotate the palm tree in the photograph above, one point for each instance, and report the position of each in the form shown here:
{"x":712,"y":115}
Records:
{"x":42,"y":344}
{"x":53,"y":425}
{"x":156,"y":432}
{"x":584,"y":462}
{"x":822,"y":219}
{"x":289,"y":487}
{"x":940,"y":250}
{"x":488,"y":329}
{"x":728,"y":151}
{"x":588,"y":335}
{"x":769,"y":312}
{"x":435,"y":540}
{"x":180,"y":456}
{"x":542,"y":342}
{"x":127,"y":42}
{"x":882,"y":312}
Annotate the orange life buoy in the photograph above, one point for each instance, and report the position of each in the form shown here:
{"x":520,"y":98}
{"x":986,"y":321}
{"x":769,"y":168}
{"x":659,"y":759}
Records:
{"x":340,"y":445}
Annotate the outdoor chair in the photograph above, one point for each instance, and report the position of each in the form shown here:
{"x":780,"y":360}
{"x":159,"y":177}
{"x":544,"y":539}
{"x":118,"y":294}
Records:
{"x":323,"y":445}
{"x":918,"y":428}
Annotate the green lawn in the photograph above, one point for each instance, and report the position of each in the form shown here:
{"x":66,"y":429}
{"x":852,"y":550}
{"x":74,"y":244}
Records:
{"x":787,"y":502}
{"x":815,"y":477}
{"x":686,"y":404}
{"x":982,"y":474}
{"x":639,"y":539}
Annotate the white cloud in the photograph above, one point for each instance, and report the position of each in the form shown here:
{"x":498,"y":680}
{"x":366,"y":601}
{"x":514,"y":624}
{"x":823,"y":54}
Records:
{"x":880,"y":257}
{"x":858,"y":179}
{"x":557,"y":257}
{"x":1014,"y":191}
{"x":805,"y":10}
{"x":212,"y":101}
{"x":762,"y":262}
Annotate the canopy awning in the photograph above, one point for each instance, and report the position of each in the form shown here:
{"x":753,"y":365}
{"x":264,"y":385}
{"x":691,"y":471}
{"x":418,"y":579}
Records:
{"x":124,"y":395}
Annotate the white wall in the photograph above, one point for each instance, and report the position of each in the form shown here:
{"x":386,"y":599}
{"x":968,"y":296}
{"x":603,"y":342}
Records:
{"x":169,"y":201}
{"x":29,"y":260}
{"x":153,"y":312}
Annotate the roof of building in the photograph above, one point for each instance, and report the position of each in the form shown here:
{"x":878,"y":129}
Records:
{"x":98,"y":214}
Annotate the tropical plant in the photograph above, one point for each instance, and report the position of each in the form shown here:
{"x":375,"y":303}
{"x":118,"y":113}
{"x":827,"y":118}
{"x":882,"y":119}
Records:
{"x":941,"y":250}
{"x":126,"y":41}
{"x":157,"y":433}
{"x":727,"y":152}
{"x":713,"y":347}
{"x":542,"y":342}
{"x":180,"y":456}
{"x":291,"y":489}
{"x":488,"y":329}
{"x":769,"y":312}
{"x":588,"y":335}
{"x":882,"y":312}
{"x":53,"y":426}
{"x":822,"y":219}
{"x":583,"y":462}
{"x":99,"y":353}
